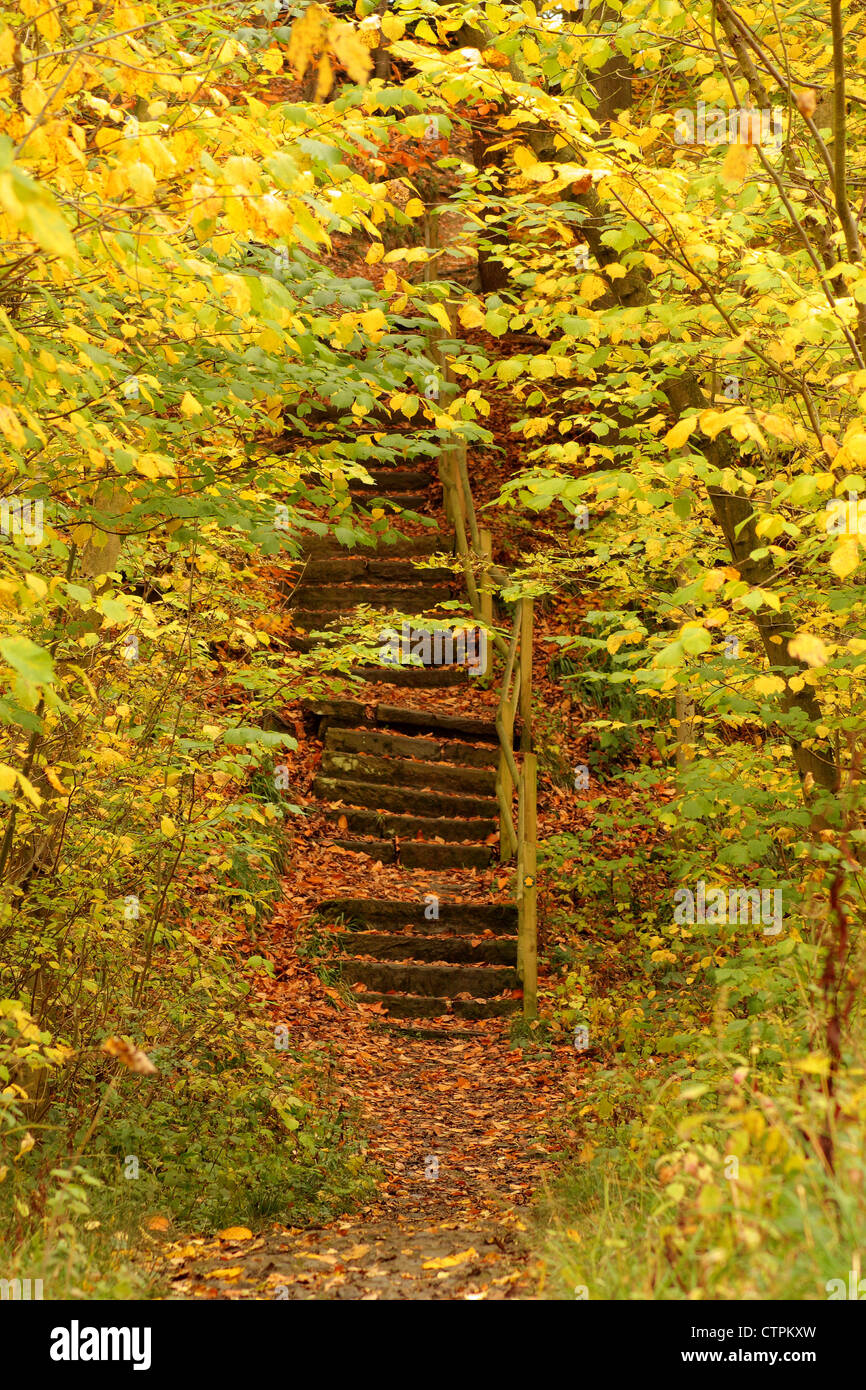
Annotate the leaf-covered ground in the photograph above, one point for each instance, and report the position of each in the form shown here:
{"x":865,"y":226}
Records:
{"x":463,"y":1135}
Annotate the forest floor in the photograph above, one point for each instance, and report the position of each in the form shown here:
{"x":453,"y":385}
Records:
{"x":449,"y":1229}
{"x":461,"y":1134}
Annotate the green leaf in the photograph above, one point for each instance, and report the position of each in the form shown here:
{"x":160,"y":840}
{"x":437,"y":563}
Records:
{"x":29,"y":660}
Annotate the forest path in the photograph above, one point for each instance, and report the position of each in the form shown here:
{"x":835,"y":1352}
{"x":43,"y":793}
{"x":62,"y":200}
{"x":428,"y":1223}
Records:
{"x":463,"y":1136}
{"x":404,"y":1006}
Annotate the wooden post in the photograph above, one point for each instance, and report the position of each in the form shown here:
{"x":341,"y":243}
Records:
{"x":506,"y":828}
{"x":486,"y":540}
{"x":466,"y":488}
{"x":431,"y":241}
{"x":526,"y":674}
{"x":507,"y":770}
{"x":685,"y":715}
{"x":527,"y":931}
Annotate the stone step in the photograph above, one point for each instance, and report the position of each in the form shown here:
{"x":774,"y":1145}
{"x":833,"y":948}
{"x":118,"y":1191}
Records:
{"x":500,"y":950}
{"x":420,"y":854}
{"x":343,"y":569}
{"x":461,"y":726}
{"x":436,"y":981}
{"x":399,"y":478}
{"x":413,"y":677}
{"x":402,"y":717}
{"x":421,"y":1006}
{"x":432,"y":542}
{"x":379,"y":824}
{"x":462,"y":917}
{"x":405,"y":501}
{"x":414,"y":598}
{"x":404,"y":746}
{"x":408,"y":772}
{"x":318,"y":619}
{"x":408,"y":801}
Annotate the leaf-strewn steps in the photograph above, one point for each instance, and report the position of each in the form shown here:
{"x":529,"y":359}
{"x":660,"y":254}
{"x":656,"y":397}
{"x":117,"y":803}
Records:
{"x":404,"y":786}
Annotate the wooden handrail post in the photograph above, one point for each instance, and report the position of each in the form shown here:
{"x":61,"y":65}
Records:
{"x":506,"y":826}
{"x":526,"y":674}
{"x":527,"y":932}
{"x":486,"y":539}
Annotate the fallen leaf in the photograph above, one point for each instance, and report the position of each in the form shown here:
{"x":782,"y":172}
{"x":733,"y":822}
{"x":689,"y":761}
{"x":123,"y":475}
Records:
{"x":452,"y":1261}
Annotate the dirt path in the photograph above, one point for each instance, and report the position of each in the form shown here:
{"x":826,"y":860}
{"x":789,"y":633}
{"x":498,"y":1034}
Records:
{"x":462,"y":1135}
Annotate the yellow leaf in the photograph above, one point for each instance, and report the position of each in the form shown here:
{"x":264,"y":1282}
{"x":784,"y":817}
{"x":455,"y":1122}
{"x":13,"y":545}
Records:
{"x":54,"y":781}
{"x":677,"y":436}
{"x":142,"y":181}
{"x":11,"y":427}
{"x":845,"y":558}
{"x":523,"y":157}
{"x":855,"y":447}
{"x":325,"y":78}
{"x":272,"y":60}
{"x":414,"y":208}
{"x":167,"y":826}
{"x":440,"y":314}
{"x":392,"y":27}
{"x":737,"y":161}
{"x":27,"y":1143}
{"x":769,"y":685}
{"x":37,"y":585}
{"x":29,"y":790}
{"x":471,"y":316}
{"x":189,"y":406}
{"x":8,"y":777}
{"x":809,"y":649}
{"x":147,"y":466}
{"x":235,"y":1233}
{"x":592,"y":287}
{"x":351,"y":51}
{"x":373,"y":323}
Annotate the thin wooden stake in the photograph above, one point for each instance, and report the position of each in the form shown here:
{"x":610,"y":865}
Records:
{"x":486,"y":543}
{"x":526,"y":674}
{"x":527,"y":932}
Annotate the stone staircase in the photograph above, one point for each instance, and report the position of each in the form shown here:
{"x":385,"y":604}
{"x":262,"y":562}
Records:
{"x":407,"y":786}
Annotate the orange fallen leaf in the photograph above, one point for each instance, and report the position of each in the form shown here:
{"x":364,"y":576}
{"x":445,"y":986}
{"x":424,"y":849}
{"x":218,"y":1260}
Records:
{"x":452,"y":1261}
{"x":235,"y":1233}
{"x":159,"y":1223}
